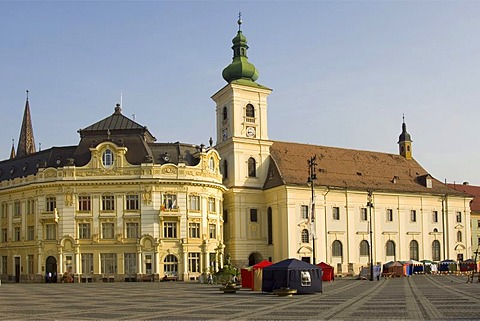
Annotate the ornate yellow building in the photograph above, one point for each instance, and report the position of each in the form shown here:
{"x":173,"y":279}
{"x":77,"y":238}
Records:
{"x":118,"y":206}
{"x":268,"y":212}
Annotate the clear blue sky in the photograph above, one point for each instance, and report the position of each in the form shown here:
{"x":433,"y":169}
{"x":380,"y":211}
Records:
{"x":342,"y":73}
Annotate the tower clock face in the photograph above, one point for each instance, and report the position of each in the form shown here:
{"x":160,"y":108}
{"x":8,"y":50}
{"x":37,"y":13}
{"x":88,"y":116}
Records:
{"x":250,"y":132}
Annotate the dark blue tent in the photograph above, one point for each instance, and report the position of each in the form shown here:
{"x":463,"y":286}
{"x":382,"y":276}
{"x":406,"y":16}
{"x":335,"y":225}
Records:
{"x":293,"y":274}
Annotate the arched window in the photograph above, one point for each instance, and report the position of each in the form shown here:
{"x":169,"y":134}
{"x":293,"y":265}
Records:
{"x":390,"y":248}
{"x":305,"y":237}
{"x":252,"y":167}
{"x":225,"y":113}
{"x":436,"y":250}
{"x":170,"y":265}
{"x":414,"y":250}
{"x":211,"y":164}
{"x":250,"y":111}
{"x":107,"y":158}
{"x":225,"y":168}
{"x":337,"y":249}
{"x":364,"y":248}
{"x":269,"y":226}
{"x":459,"y":236}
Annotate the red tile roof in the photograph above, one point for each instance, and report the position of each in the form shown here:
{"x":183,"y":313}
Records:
{"x":349,"y":168}
{"x":471,"y":190}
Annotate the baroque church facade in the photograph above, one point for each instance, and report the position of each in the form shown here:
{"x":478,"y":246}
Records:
{"x":121,"y":207}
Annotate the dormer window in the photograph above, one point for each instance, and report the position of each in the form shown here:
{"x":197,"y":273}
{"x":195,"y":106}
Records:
{"x":107,"y":158}
{"x":428,"y":182}
{"x":211,"y":164}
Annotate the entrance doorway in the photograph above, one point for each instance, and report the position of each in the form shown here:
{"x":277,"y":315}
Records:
{"x":51,"y":270}
{"x":254,"y":258}
{"x":17,"y":269}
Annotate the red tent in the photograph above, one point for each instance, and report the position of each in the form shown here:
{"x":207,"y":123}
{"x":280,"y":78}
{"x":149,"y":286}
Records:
{"x":252,"y":275}
{"x":328,"y":273}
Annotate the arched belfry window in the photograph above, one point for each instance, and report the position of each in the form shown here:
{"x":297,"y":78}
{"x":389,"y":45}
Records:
{"x":225,"y":113}
{"x":252,"y":167}
{"x":250,"y":111}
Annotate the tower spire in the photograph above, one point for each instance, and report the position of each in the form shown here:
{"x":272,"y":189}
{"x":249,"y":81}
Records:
{"x":405,"y":141}
{"x":26,"y":142}
{"x":240,"y":68}
{"x":12,"y":152}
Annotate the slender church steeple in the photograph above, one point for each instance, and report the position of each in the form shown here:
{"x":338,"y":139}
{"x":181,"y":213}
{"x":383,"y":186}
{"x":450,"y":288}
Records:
{"x":26,"y":142}
{"x":12,"y":151}
{"x":405,"y":142}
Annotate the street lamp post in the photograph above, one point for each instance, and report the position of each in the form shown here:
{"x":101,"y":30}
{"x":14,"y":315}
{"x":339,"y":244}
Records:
{"x":312,"y":176}
{"x":370,"y":205}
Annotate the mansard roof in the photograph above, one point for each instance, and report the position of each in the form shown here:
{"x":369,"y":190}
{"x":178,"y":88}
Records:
{"x":116,"y":129}
{"x":349,"y":168}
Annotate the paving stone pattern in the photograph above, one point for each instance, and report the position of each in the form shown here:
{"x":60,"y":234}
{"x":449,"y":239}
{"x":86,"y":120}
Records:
{"x":420,"y":297}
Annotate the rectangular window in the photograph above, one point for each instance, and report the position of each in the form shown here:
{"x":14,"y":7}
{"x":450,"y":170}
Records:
{"x":478,"y":223}
{"x":304,"y":212}
{"x":87,"y":263}
{"x":130,"y":263}
{"x":212,"y":231}
{"x":108,"y":230}
{"x":413,"y":216}
{"x":84,"y":203}
{"x":435,"y":216}
{"x":363,"y":214}
{"x":336,"y":213}
{"x":194,"y":202}
{"x":4,"y":210}
{"x":170,"y":230}
{"x":17,"y":208}
{"x":50,"y":231}
{"x":30,"y":206}
{"x":30,"y":233}
{"x":211,"y":204}
{"x":108,"y":202}
{"x":50,"y":204}
{"x":4,"y":235}
{"x":84,"y":231}
{"x":30,"y":262}
{"x":389,"y":215}
{"x":169,"y":201}
{"x":132,"y":230}
{"x":16,"y":234}
{"x":194,"y":262}
{"x":194,"y":230}
{"x":4,"y":264}
{"x":253,"y":215}
{"x":108,"y":263}
{"x":459,"y":217}
{"x":132,"y":202}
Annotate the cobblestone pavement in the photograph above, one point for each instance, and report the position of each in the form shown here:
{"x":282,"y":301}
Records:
{"x":427,"y":297}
